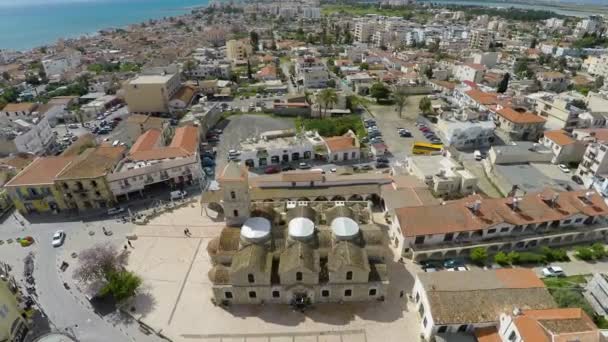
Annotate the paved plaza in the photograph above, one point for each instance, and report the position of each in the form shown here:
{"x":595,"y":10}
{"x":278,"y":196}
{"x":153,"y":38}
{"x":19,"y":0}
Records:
{"x":177,"y":295}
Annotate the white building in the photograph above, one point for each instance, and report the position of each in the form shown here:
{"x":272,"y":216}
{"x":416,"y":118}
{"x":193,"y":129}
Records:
{"x":31,"y":136}
{"x":594,"y":166}
{"x":58,"y":65}
{"x":275,"y":148}
{"x":311,"y":12}
{"x":487,"y":59}
{"x":564,"y":147}
{"x":311,"y":73}
{"x":556,"y":109}
{"x":469,"y":72}
{"x":597,"y":65}
{"x":343,"y":148}
{"x":442,"y":174}
{"x":466,"y":134}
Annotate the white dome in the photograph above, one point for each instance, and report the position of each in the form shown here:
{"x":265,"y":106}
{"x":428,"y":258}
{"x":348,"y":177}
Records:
{"x":344,"y":227}
{"x":301,"y":227}
{"x":255,"y":229}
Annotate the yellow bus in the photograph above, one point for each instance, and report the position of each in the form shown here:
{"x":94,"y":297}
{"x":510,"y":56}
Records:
{"x":427,"y":148}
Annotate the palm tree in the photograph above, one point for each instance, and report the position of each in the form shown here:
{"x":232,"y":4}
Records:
{"x":400,"y":98}
{"x":328,"y":97}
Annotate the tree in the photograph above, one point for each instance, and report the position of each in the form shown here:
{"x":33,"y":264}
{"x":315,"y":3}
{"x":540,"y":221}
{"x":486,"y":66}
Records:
{"x":331,"y":83}
{"x":121,"y":285}
{"x":599,"y":82}
{"x":254,"y":38}
{"x":98,"y":261}
{"x":379,"y":91}
{"x":579,"y":104}
{"x":6,"y":76}
{"x":428,"y":72}
{"x":479,"y":255}
{"x":364,"y":66}
{"x":425,"y":105}
{"x":189,"y":66}
{"x":328,"y":97}
{"x":400,"y":99}
{"x":249,"y":73}
{"x":599,"y":251}
{"x":504,"y":83}
{"x":584,"y":253}
{"x":521,"y":68}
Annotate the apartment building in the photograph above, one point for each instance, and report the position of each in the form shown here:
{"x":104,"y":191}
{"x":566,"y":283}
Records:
{"x":150,"y":94}
{"x":56,"y":66}
{"x":17,"y":111}
{"x":325,"y":253}
{"x":27,"y":136}
{"x":487,"y":59}
{"x":519,"y":125}
{"x":364,"y":31}
{"x":311,"y":73}
{"x":595,"y":163}
{"x":469,"y":72}
{"x":480,"y":39}
{"x":465,"y":302}
{"x":516,"y":223}
{"x":557,"y":110}
{"x":137,"y":124}
{"x":214,"y":69}
{"x":149,"y":162}
{"x":238,"y":51}
{"x":565,"y":148}
{"x":83,"y":183}
{"x":33,"y":190}
{"x":465,"y":134}
{"x":442,"y":175}
{"x":553,"y":81}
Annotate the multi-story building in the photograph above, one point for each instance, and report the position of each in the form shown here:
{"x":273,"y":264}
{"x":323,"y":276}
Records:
{"x":212,"y":69}
{"x":464,"y":134}
{"x":83,"y":182}
{"x":519,"y":125}
{"x":480,"y":39}
{"x":16,"y":111}
{"x":487,"y":59}
{"x":311,"y":12}
{"x":149,"y":162}
{"x":238,"y":51}
{"x":364,"y":31}
{"x":311,"y":73}
{"x":322,"y":252}
{"x":565,"y":148}
{"x":595,"y":163}
{"x":554,"y":23}
{"x":150,"y":94}
{"x":547,"y":218}
{"x":55,"y":66}
{"x":553,"y":81}
{"x":588,"y":25}
{"x":33,"y":190}
{"x":469,"y":72}
{"x":442,"y":175}
{"x":33,"y":136}
{"x":557,"y":110}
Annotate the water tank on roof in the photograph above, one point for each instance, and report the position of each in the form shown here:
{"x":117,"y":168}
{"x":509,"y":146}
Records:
{"x":344,"y":228}
{"x":301,"y":228}
{"x":256,"y":229}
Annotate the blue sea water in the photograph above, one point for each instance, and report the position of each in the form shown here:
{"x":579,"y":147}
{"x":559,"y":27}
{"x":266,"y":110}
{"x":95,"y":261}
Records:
{"x":25,"y":24}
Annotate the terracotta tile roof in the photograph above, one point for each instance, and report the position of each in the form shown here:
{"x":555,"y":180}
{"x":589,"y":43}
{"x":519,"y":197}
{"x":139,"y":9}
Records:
{"x":268,"y":70}
{"x":146,"y":141}
{"x":186,"y":138}
{"x":537,"y":325}
{"x":559,"y":137}
{"x":445,"y":84}
{"x":521,"y":118}
{"x":183,"y":144}
{"x":18,"y":161}
{"x":93,"y":163}
{"x":455,"y":299}
{"x":488,"y":334}
{"x":601,"y":134}
{"x":336,"y":144}
{"x":532,"y":208}
{"x":43,"y":170}
{"x":19,"y":107}
{"x":185,"y":94}
{"x":482,"y":97}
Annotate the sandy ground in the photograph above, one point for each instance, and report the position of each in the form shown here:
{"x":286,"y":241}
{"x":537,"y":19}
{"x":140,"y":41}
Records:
{"x":177,"y":295}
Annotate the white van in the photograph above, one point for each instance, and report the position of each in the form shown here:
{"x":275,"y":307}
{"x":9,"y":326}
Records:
{"x":178,"y":194}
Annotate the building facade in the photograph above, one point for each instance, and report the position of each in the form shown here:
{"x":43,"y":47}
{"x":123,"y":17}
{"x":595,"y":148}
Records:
{"x":150,"y":94}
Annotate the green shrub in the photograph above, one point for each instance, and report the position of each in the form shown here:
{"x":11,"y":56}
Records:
{"x":502,"y":259}
{"x":599,"y":251}
{"x":584,"y":253}
{"x":551,"y":254}
{"x":479,"y":255}
{"x":513,"y":257}
{"x":530,"y":258}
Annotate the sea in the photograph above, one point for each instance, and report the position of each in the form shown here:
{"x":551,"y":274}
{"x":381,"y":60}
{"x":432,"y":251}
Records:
{"x":26,"y":24}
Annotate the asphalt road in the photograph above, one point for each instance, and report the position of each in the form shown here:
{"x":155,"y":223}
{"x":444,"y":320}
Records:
{"x":68,"y":310}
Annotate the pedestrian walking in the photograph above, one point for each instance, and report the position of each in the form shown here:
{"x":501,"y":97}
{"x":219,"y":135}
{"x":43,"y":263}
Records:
{"x":401,"y":294}
{"x":125,"y":247}
{"x":130,"y":244}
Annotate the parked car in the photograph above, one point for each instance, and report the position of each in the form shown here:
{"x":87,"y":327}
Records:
{"x":553,"y":271}
{"x":405,"y":134}
{"x":207,"y":162}
{"x":288,"y":168}
{"x":177,"y":194}
{"x":272,"y":169}
{"x":577,"y":180}
{"x":304,"y":166}
{"x":458,"y":268}
{"x":367,"y":167}
{"x":72,"y":126}
{"x":115,"y":210}
{"x":382,"y":160}
{"x":564,"y":168}
{"x":381,"y":165}
{"x":452,"y":263}
{"x":58,"y":238}
{"x":436,"y":141}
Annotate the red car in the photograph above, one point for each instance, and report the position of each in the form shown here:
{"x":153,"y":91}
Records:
{"x":272,"y":169}
{"x":424,"y":129}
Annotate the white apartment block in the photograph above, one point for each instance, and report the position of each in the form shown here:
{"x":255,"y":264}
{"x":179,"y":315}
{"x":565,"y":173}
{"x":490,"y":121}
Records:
{"x":469,"y":72}
{"x":554,"y":23}
{"x":487,"y":59}
{"x":595,"y":163}
{"x":364,"y":31}
{"x":212,"y":70}
{"x":311,"y":12}
{"x":556,"y":110}
{"x":480,"y":39}
{"x":466,"y":134}
{"x":58,"y":65}
{"x":597,"y":65}
{"x":311,"y":73}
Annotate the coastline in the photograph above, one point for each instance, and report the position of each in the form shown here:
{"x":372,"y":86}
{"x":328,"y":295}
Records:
{"x":41,"y":37}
